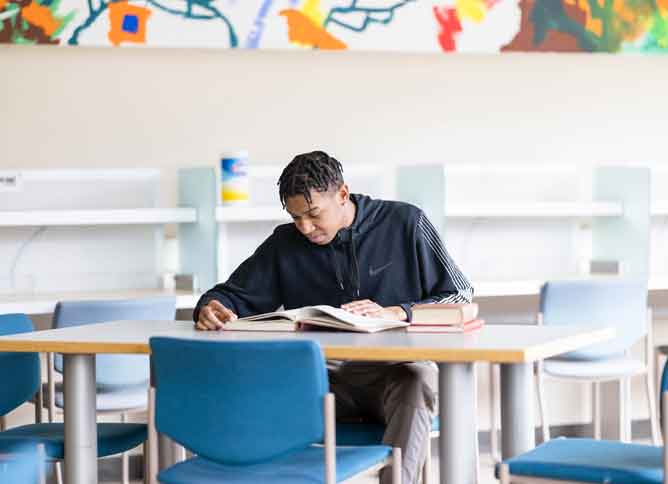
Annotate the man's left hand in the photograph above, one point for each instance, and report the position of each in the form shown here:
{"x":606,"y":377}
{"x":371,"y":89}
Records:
{"x":366,"y":307}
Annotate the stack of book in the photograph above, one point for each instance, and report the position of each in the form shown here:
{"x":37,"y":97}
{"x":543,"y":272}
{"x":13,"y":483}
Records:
{"x":445,"y":318}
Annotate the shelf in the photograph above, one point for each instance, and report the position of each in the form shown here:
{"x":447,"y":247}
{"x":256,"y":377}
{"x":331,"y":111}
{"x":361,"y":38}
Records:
{"x":134,"y":216}
{"x":535,"y":210}
{"x":660,"y":208}
{"x":45,"y":303}
{"x":532,"y":287}
{"x":268,"y":213}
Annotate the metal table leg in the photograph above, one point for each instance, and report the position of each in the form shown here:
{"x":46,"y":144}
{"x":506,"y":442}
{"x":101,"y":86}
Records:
{"x":457,"y":445}
{"x":80,"y":419}
{"x":517,"y":435}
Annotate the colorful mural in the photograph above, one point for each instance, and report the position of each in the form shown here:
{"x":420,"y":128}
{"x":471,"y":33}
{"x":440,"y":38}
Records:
{"x":610,"y":26}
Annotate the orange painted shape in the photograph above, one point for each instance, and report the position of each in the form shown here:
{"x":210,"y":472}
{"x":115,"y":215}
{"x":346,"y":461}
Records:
{"x":663,"y":6}
{"x":40,"y":16}
{"x":3,"y":4}
{"x":302,"y":30}
{"x":117,"y":13}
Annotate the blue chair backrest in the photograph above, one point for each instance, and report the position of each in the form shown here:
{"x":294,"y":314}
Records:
{"x":114,"y":370}
{"x":19,"y":372}
{"x":618,"y":303}
{"x":239,"y":402}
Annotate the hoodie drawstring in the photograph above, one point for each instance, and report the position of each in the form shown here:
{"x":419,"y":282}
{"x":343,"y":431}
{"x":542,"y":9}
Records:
{"x":356,"y":266}
{"x":355,"y":277}
{"x":339,"y":278}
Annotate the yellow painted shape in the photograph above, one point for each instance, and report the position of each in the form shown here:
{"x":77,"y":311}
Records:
{"x":474,"y":10}
{"x":303,"y":31}
{"x":40,"y":16}
{"x":312,"y":10}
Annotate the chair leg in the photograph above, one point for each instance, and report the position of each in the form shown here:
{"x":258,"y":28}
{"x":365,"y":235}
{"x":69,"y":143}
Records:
{"x":396,"y":465}
{"x":542,"y":403}
{"x":658,"y":369}
{"x":596,"y":409}
{"x":145,"y":454}
{"x":59,"y":472}
{"x":624,"y":414}
{"x":125,"y":461}
{"x":651,"y":400}
{"x":39,"y":405}
{"x":494,"y":404}
{"x":152,"y":441}
{"x":504,"y":474}
{"x":51,"y":386}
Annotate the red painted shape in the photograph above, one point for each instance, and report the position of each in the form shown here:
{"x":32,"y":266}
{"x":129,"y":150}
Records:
{"x":449,"y":25}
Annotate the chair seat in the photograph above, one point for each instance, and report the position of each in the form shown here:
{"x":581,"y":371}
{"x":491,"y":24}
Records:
{"x":367,"y":433}
{"x":303,"y":466}
{"x":609,"y":368}
{"x":112,"y":438}
{"x":588,"y":460}
{"x":109,"y":399}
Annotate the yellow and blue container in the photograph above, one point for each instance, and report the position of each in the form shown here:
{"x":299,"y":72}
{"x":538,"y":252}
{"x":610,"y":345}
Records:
{"x":234,"y":177}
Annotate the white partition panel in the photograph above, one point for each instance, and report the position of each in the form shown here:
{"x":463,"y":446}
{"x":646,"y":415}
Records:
{"x":56,"y":253}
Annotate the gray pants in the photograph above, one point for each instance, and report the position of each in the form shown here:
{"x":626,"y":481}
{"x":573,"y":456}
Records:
{"x":400,"y":395}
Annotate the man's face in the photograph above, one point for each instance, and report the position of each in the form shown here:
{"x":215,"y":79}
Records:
{"x":320,"y":220}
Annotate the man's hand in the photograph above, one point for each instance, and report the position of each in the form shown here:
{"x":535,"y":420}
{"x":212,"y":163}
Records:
{"x":213,"y":316}
{"x":366,"y":307}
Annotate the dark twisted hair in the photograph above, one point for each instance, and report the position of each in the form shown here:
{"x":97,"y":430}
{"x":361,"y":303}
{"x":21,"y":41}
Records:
{"x":309,"y":171}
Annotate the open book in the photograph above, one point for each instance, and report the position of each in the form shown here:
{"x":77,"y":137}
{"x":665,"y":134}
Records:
{"x":302,"y":318}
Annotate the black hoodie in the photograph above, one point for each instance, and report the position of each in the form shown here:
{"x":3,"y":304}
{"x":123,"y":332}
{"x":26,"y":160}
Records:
{"x":391,"y":254}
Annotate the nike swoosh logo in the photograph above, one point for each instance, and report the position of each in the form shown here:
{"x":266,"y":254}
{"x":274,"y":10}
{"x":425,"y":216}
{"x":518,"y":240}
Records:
{"x":374,"y":272}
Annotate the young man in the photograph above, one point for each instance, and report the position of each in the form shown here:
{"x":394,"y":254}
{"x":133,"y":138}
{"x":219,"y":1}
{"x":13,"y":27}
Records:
{"x":371,"y":257}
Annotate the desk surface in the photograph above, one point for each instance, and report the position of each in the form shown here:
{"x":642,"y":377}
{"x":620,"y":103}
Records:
{"x":497,"y":343}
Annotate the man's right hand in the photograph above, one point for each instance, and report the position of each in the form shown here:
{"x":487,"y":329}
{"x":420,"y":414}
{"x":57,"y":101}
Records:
{"x":213,"y":316}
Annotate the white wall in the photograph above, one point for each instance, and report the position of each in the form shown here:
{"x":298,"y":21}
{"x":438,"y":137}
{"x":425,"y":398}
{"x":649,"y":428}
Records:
{"x":167,"y":108}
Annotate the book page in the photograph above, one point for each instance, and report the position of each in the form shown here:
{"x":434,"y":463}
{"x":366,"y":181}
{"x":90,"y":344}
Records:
{"x":289,"y":315}
{"x":325,"y":313}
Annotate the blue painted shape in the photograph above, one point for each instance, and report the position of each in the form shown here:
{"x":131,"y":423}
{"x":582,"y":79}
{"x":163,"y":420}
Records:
{"x":130,"y":24}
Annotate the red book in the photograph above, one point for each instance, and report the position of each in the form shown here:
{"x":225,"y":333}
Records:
{"x":440,"y":328}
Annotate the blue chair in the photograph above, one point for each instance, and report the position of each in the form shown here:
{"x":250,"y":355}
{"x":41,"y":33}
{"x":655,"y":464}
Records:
{"x":253,"y":412}
{"x":587,"y":460}
{"x":23,"y":464}
{"x":20,"y":376}
{"x":618,"y":303}
{"x":121,"y":380}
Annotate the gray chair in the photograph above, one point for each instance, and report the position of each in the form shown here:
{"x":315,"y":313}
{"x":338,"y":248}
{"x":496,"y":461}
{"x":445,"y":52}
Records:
{"x":122,"y":380}
{"x":619,"y":303}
